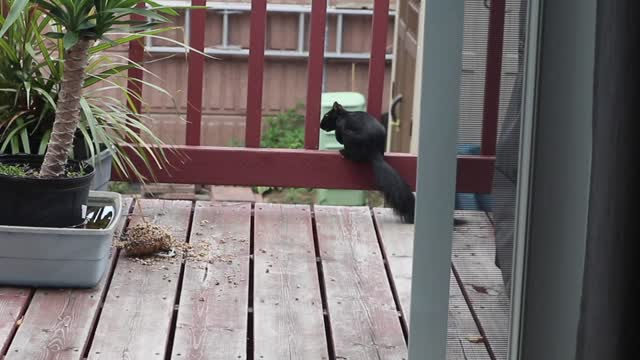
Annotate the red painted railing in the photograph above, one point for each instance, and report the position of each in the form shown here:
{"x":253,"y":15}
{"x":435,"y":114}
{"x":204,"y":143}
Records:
{"x":310,"y":167}
{"x":4,"y":8}
{"x":256,"y":72}
{"x":136,"y":54}
{"x":195,"y":81}
{"x":493,"y":76}
{"x":314,"y":83}
{"x":380,"y":25}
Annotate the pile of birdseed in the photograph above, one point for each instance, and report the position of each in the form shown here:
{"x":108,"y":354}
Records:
{"x":145,"y":239}
{"x":151,"y":244}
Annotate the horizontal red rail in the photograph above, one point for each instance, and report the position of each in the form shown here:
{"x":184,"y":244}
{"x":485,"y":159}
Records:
{"x":309,"y":168}
{"x":298,"y":168}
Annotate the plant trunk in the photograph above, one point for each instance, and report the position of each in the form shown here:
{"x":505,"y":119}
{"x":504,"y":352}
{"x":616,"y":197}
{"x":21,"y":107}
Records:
{"x":67,"y":111}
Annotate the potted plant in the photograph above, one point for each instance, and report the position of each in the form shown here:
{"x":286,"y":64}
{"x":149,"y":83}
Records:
{"x":30,"y":83}
{"x":46,"y":196}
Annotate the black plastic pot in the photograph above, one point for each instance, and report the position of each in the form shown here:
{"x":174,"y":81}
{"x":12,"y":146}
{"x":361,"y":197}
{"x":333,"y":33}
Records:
{"x":57,"y":202}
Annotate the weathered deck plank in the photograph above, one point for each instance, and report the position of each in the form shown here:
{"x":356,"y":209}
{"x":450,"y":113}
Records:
{"x":136,"y":318}
{"x":463,"y":338}
{"x":12,"y":304}
{"x":474,"y":260}
{"x":288,"y":321}
{"x":212,"y":317}
{"x":288,"y":314}
{"x":58,"y":323}
{"x":397,"y":239}
{"x":364,"y":320}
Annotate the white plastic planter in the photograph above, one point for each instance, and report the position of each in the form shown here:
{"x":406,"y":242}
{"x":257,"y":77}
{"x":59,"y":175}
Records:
{"x":58,"y":257}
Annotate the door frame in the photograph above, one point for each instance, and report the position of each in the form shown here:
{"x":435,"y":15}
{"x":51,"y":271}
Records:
{"x":553,"y":179}
{"x":439,"y":104}
{"x":555,"y":225}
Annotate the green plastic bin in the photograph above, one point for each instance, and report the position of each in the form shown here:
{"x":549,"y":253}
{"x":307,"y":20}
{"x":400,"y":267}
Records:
{"x":351,"y":101}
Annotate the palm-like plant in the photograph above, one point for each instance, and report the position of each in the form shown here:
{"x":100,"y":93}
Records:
{"x":78,"y":24}
{"x":31,"y":71}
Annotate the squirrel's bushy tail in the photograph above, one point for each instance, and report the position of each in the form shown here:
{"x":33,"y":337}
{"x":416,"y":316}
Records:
{"x":397,"y":192}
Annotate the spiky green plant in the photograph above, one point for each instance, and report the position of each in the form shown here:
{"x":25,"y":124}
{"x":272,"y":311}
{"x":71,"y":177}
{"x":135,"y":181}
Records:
{"x":55,"y":76}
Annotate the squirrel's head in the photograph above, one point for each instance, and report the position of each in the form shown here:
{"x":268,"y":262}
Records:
{"x":330,"y":119}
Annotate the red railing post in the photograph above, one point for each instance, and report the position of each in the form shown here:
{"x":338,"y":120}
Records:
{"x":314,"y":74}
{"x":195,"y":73}
{"x":256,"y":72}
{"x":4,"y":8}
{"x":380,"y":26}
{"x":135,"y":75}
{"x":493,"y":76}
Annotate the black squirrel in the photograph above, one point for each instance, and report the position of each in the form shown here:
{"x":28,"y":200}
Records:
{"x":364,"y":139}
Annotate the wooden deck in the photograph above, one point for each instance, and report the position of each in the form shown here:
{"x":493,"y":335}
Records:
{"x":287,"y":282}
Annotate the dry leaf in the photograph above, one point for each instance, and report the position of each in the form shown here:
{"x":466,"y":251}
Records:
{"x":475,"y":339}
{"x":480,"y":289}
{"x":484,"y":290}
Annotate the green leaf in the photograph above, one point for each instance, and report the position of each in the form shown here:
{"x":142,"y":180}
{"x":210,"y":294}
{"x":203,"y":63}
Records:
{"x":47,"y":56}
{"x":128,"y":38}
{"x":60,"y":53}
{"x":90,"y":35}
{"x":27,"y":88}
{"x":142,"y":12}
{"x":24,"y":137}
{"x":163,"y":9}
{"x":69,"y":40}
{"x":46,"y":96}
{"x":14,"y":13}
{"x":87,"y":137}
{"x":54,"y":35}
{"x":8,"y":50}
{"x":15,"y":145}
{"x":129,"y":22}
{"x":87,"y":25}
{"x":11,"y":138}
{"x":92,"y":79}
{"x":44,"y":142}
{"x":91,"y":120}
